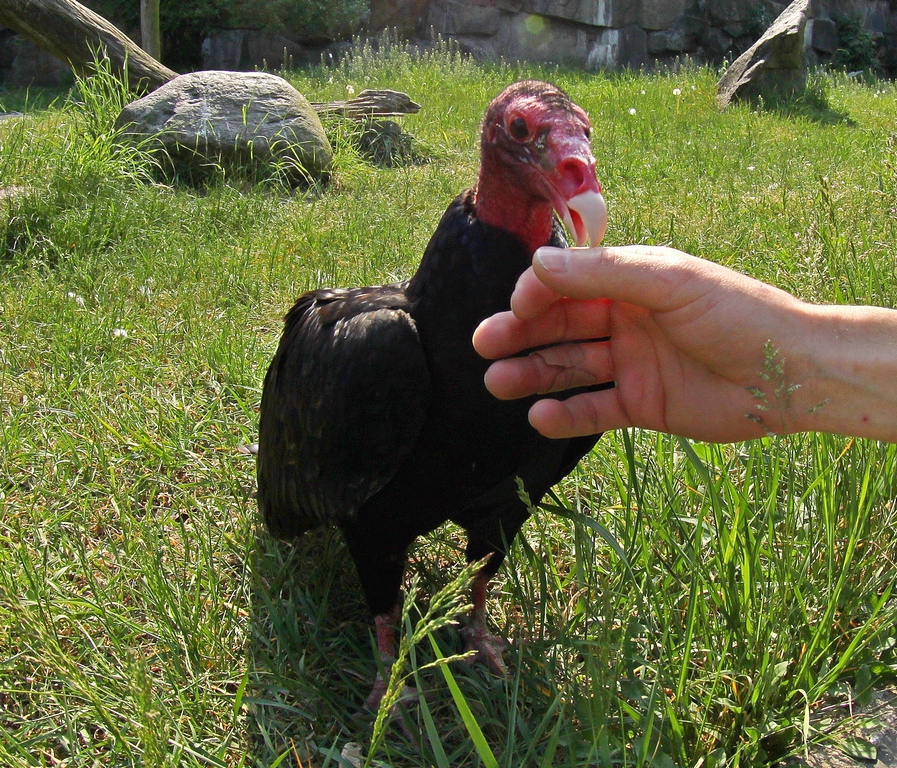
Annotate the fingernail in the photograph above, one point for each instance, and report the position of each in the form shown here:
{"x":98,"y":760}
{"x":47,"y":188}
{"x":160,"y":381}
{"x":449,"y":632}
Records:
{"x":553,"y":259}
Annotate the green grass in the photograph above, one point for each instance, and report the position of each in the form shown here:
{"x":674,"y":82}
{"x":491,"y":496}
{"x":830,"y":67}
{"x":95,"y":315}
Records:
{"x":676,"y":604}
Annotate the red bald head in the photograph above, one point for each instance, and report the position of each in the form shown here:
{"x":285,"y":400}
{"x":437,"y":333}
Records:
{"x":536,"y":159}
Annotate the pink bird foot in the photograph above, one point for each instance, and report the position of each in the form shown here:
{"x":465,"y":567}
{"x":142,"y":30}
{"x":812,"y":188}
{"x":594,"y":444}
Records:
{"x":489,"y":648}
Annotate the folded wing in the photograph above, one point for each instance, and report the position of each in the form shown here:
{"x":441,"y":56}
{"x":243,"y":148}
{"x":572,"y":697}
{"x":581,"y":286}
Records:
{"x":343,"y":404}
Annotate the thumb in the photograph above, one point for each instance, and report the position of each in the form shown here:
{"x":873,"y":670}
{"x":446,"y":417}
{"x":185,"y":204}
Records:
{"x":649,"y":276}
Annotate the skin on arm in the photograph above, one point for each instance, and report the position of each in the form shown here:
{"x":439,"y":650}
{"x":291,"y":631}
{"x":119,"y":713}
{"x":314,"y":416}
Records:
{"x":695,"y":349}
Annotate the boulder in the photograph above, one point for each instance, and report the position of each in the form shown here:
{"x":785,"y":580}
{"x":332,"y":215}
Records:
{"x":683,"y":37}
{"x":246,"y":50}
{"x":271,"y":51}
{"x":451,"y":17}
{"x":398,"y":15}
{"x":223,"y":49}
{"x":730,"y":11}
{"x":774,"y":66}
{"x":717,"y":44}
{"x":233,"y":119}
{"x":877,"y":18}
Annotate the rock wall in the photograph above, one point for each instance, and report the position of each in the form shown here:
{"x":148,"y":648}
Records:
{"x":593,"y":34}
{"x":24,"y":64}
{"x":616,"y":34}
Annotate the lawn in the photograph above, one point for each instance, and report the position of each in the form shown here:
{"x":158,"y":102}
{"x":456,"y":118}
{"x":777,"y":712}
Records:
{"x":674,"y":604}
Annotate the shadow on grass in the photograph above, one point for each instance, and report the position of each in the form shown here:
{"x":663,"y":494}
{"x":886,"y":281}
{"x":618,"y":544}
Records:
{"x":310,"y":658}
{"x":810,"y":104}
{"x":311,"y":665}
{"x":312,"y":662}
{"x":806,"y":107}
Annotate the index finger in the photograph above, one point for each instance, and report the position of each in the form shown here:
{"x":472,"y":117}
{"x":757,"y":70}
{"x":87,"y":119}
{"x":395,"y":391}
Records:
{"x":531,"y":296}
{"x":505,"y":334}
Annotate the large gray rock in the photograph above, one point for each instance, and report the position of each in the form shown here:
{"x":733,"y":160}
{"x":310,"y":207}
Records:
{"x":598,"y":13}
{"x":660,"y":14}
{"x":236,"y":119}
{"x":683,"y":37}
{"x":531,"y":37}
{"x":615,"y":49}
{"x":730,"y":11}
{"x":877,"y":18}
{"x":451,"y":17}
{"x":223,"y":49}
{"x":717,"y":44}
{"x":774,"y":66}
{"x":822,"y":36}
{"x":398,"y":15}
{"x":873,"y":14}
{"x":247,"y":50}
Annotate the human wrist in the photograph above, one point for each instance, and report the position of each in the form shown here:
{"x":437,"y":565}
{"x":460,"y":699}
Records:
{"x":844,"y":372}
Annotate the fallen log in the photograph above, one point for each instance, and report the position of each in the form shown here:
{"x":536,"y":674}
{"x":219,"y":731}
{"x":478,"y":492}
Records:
{"x":76,"y":35}
{"x":370,"y":103}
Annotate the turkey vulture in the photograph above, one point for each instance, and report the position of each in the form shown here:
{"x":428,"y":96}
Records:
{"x":374,"y":416}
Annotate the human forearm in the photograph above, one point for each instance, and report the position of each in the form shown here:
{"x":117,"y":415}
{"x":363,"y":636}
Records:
{"x":844,"y":376}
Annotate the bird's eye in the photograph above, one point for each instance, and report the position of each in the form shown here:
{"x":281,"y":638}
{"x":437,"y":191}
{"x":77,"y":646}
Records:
{"x":518,"y":128}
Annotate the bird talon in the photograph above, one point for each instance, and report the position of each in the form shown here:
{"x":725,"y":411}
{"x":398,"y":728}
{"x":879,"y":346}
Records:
{"x":372,"y":704}
{"x":488,"y":649}
{"x":375,"y":697}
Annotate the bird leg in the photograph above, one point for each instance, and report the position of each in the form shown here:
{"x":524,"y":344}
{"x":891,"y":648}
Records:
{"x":489,"y":648}
{"x":385,"y":626}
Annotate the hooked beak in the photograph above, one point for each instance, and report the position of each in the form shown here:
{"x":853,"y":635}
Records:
{"x":576,"y":191}
{"x":585,"y":215}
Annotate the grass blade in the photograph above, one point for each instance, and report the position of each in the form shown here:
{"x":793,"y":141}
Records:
{"x":470,"y":722}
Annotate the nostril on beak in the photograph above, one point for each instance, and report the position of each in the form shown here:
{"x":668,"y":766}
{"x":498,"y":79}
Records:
{"x":574,"y":176}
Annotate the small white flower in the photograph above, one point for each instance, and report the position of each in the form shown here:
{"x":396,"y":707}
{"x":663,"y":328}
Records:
{"x":694,"y":87}
{"x":350,"y":90}
{"x":677,"y":91}
{"x":119,"y":333}
{"x":643,"y":91}
{"x":632,"y":110}
{"x":76,"y":298}
{"x":751,"y":168}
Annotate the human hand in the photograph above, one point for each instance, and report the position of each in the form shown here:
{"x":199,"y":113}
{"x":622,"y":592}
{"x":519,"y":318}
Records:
{"x":695,"y":349}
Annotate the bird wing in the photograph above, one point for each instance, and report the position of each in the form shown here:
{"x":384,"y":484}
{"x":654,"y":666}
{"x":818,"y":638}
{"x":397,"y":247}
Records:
{"x":343,"y":404}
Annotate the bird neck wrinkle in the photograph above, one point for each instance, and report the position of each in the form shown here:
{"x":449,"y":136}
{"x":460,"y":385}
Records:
{"x":509,"y":205}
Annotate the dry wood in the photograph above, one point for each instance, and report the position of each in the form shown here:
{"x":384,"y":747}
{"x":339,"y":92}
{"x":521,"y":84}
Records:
{"x":370,"y":103}
{"x":150,"y":32}
{"x":74,"y":34}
